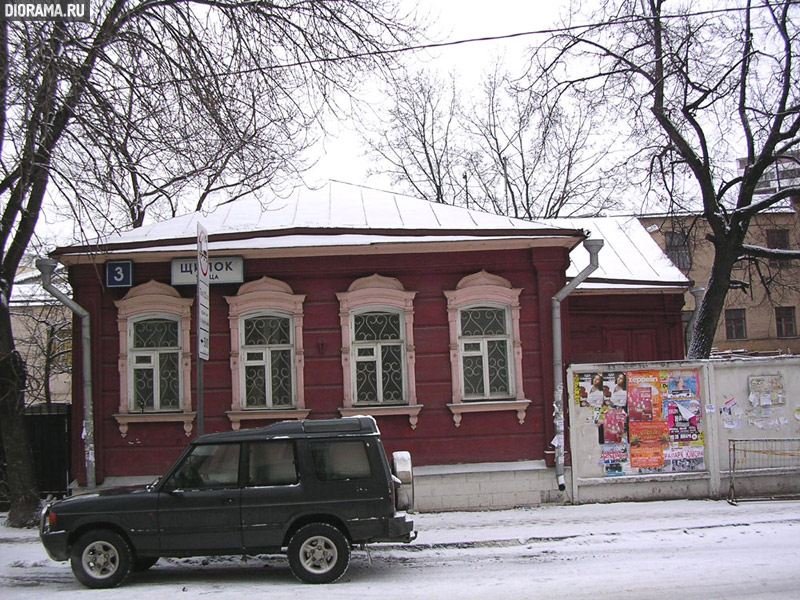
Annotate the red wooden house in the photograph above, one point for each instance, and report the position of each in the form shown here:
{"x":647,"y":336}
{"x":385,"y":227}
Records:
{"x":434,"y":319}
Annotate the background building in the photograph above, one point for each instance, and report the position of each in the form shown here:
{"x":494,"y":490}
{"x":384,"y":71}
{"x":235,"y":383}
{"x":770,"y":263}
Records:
{"x":761,"y":312}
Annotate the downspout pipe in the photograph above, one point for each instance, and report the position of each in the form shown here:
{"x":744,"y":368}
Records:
{"x":46,"y":266}
{"x":593,"y":247}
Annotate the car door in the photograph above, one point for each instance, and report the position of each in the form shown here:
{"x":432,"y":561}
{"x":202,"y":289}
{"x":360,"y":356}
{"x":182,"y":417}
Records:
{"x":272,"y":493}
{"x":199,"y":505}
{"x":345,"y":477}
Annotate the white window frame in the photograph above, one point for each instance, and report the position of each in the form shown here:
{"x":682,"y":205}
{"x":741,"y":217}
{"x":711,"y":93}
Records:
{"x":486,"y":289}
{"x":262,"y":297}
{"x":146,"y":301}
{"x":378,"y":293}
{"x":266,"y":361}
{"x":154,"y":354}
{"x":483,"y":352}
{"x":377,"y":356}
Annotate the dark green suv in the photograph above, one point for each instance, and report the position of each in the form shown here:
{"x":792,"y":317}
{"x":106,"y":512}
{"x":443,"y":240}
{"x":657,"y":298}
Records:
{"x":310,"y":488}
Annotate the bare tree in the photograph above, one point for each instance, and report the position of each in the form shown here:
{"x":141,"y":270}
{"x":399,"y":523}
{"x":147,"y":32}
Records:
{"x":418,"y":146}
{"x":157,"y":101}
{"x":510,"y":151}
{"x":696,"y":90}
{"x":534,"y":155}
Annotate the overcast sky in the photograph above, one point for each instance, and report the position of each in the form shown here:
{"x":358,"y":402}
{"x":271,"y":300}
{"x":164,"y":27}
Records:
{"x":342,"y":153}
{"x":450,"y":20}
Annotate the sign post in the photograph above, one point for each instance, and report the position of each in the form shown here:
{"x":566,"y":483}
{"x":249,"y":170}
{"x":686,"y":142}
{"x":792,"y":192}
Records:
{"x":202,"y":317}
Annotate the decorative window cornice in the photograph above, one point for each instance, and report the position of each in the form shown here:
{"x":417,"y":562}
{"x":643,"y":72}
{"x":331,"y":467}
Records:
{"x":377,"y":291}
{"x":154,"y":299}
{"x":265,"y":295}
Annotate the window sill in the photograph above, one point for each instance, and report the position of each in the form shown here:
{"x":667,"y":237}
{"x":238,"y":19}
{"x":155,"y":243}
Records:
{"x":412,"y":411}
{"x":125,"y":419}
{"x":458,"y":409}
{"x":237,"y":416}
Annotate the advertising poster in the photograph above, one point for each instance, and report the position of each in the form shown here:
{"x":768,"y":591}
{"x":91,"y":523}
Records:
{"x":591,"y":389}
{"x":648,"y":439}
{"x":614,"y":421}
{"x":682,"y":408}
{"x":679,"y":459}
{"x":644,"y":395}
{"x":619,"y":390}
{"x":683,"y":418}
{"x":649,"y":421}
{"x":766,"y":390}
{"x":615,"y":459}
{"x":683,"y":384}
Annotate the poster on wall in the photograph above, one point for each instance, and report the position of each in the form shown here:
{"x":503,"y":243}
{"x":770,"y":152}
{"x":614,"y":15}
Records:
{"x":679,"y":459}
{"x":615,"y":459}
{"x":590,"y":389}
{"x":766,"y":390}
{"x":649,"y":421}
{"x":614,"y":422}
{"x":682,"y":407}
{"x":683,"y":418}
{"x":601,"y":389}
{"x":648,"y":440}
{"x":644,"y":395}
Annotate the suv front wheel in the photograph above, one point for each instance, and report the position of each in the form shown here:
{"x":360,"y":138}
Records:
{"x":318,"y":553}
{"x":101,"y":559}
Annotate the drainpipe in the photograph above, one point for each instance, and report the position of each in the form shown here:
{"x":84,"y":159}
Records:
{"x":46,"y":266}
{"x":593,"y":247}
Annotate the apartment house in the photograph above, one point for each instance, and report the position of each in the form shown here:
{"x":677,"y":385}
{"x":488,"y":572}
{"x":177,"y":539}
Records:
{"x":761,"y":309}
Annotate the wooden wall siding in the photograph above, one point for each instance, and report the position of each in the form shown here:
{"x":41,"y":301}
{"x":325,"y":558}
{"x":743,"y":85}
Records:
{"x":149,"y":449}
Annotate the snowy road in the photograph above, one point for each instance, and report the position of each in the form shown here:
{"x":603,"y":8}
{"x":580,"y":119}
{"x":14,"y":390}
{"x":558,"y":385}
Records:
{"x":650,"y":551}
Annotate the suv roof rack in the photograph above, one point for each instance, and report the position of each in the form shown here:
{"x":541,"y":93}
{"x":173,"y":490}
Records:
{"x":304,"y":428}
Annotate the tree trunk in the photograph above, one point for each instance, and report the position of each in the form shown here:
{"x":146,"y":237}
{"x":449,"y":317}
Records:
{"x":713,"y":302}
{"x":21,"y":479}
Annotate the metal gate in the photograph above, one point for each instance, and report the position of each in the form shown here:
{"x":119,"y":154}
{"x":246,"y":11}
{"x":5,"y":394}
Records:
{"x":762,"y":457}
{"x":49,"y":436}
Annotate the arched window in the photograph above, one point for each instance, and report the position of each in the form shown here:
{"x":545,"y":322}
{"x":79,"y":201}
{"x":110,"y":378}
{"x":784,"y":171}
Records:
{"x":377,"y":320}
{"x":379,"y":357}
{"x":154,"y":357}
{"x":267,"y":357}
{"x":485,"y":346}
{"x":154,"y":360}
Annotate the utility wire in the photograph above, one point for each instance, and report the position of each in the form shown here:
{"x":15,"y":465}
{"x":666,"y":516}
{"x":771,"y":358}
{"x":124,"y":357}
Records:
{"x":437,"y":45}
{"x":550,"y":31}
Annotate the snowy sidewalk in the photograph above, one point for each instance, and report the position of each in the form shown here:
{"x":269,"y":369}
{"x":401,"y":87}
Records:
{"x":559,"y":522}
{"x":521,"y":525}
{"x":722,"y":552}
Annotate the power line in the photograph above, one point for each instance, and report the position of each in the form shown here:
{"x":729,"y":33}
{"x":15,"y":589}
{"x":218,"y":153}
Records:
{"x":508,"y":36}
{"x":627,"y":20}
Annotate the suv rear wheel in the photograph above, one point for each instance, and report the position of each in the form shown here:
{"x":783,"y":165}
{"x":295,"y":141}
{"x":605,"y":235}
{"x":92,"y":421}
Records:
{"x":318,"y":553}
{"x":100,"y":559}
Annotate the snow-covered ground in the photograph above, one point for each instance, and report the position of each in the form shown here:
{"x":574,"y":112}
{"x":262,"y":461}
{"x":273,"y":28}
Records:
{"x":643,"y":551}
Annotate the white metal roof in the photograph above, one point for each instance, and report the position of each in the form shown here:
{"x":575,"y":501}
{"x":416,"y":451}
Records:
{"x":336,"y":206}
{"x":346,"y":216}
{"x":629,"y":254}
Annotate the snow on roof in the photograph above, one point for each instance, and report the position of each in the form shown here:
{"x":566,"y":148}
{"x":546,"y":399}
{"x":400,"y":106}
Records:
{"x":347,"y":216}
{"x":629,"y":254}
{"x":28,"y":288}
{"x":337,"y":206}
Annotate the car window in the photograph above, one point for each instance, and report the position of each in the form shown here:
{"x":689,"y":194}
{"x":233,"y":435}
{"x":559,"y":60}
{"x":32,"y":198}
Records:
{"x":340,"y":460}
{"x":272,"y":463}
{"x":209,"y":466}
